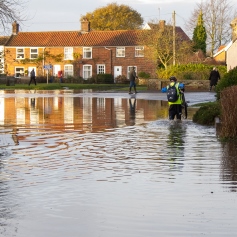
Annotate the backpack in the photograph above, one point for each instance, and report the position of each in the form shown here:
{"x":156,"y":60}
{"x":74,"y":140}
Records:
{"x":172,"y":94}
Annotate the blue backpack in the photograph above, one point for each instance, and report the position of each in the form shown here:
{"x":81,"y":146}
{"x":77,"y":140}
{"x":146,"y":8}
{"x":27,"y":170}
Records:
{"x":172,"y":93}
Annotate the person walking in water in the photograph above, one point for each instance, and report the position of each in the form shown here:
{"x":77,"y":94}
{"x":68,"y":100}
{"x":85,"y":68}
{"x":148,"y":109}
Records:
{"x":132,"y":78}
{"x":175,"y":99}
{"x":213,"y":78}
{"x":32,"y":76}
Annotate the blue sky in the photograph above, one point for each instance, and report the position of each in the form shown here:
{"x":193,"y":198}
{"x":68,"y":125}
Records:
{"x":49,"y":15}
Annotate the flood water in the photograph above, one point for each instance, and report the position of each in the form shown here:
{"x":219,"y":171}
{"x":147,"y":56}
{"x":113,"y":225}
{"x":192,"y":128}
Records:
{"x":73,"y":164}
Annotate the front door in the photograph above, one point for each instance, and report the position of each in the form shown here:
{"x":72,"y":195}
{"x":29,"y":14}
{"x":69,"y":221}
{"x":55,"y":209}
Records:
{"x":117,"y":71}
{"x":56,"y":68}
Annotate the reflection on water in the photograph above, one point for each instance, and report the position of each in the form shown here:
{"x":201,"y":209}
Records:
{"x":111,"y":167}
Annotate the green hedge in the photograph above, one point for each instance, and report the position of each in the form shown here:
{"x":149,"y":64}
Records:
{"x":190,"y":71}
{"x":104,"y":79}
{"x":229,"y":79}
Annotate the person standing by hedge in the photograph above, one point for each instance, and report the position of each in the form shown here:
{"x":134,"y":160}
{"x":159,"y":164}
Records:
{"x":214,"y":77}
{"x":132,"y":78}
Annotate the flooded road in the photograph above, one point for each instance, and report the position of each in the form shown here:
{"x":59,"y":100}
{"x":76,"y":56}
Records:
{"x":93,"y":165}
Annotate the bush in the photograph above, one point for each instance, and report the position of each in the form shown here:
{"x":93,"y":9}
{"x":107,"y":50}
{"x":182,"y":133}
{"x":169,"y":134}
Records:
{"x":207,"y":113}
{"x":144,"y":75}
{"x":228,"y":102}
{"x":104,"y":79}
{"x":121,"y":79}
{"x":189,"y":71}
{"x":229,"y":79}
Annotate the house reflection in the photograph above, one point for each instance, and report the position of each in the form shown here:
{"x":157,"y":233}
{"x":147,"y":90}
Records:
{"x":85,"y":114}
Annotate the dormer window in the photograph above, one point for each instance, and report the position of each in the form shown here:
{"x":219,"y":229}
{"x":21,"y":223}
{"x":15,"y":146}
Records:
{"x":20,"y":53}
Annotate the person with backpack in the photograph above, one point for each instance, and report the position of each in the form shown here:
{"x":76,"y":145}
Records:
{"x":175,"y":98}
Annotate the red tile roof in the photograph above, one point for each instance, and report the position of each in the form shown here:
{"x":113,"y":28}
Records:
{"x":74,"y":38}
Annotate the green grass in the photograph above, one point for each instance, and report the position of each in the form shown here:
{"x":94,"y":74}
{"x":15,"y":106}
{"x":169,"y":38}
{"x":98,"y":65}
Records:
{"x":71,"y":86}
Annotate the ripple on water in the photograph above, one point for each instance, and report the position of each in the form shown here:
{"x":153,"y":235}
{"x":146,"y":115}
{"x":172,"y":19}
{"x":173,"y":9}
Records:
{"x":138,"y":178}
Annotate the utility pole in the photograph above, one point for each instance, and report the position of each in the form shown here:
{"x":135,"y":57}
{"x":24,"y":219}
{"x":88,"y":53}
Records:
{"x":174,"y":55}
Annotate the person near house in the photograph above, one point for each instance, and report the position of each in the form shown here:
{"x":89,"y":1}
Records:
{"x":60,"y":76}
{"x":32,"y":77}
{"x":214,"y":77}
{"x":175,"y":108}
{"x":132,"y":79}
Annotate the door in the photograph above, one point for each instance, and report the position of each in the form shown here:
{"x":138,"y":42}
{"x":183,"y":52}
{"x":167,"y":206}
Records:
{"x":56,"y":68}
{"x":117,"y":71}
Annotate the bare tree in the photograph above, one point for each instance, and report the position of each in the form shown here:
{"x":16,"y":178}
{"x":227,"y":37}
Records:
{"x":159,"y":43}
{"x":11,"y":10}
{"x":217,"y":15}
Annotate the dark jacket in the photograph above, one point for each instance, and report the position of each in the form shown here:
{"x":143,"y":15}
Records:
{"x":132,"y":75}
{"x":214,"y":77}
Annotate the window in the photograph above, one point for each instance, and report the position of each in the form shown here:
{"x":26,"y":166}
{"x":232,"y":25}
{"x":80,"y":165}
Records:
{"x":87,"y":52}
{"x":139,"y":51}
{"x":19,"y":71}
{"x":87,"y":71}
{"x":68,"y":70}
{"x":20,"y":53}
{"x":33,"y":53}
{"x":120,"y":52}
{"x":68,"y":53}
{"x":100,"y":69}
{"x":129,"y":69}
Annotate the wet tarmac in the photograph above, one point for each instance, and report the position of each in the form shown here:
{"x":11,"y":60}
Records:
{"x":109,"y":164}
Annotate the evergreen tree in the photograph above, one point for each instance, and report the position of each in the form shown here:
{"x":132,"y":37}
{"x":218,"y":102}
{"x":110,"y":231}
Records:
{"x":200,"y":35}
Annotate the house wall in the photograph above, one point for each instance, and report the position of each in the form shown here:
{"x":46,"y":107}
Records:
{"x":220,"y":57}
{"x":231,"y":59}
{"x":100,"y":55}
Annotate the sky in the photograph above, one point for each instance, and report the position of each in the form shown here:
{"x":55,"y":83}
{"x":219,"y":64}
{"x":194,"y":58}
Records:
{"x":63,"y":15}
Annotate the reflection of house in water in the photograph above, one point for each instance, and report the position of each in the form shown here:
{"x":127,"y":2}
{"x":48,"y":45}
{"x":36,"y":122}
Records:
{"x":66,"y":110}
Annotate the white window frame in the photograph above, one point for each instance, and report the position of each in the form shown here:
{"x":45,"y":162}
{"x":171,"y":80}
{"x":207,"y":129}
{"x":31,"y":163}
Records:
{"x":20,"y":53}
{"x":68,"y":70}
{"x":19,"y":71}
{"x":100,"y":68}
{"x":87,"y":71}
{"x":129,"y":68}
{"x":120,"y":52}
{"x":68,"y":53}
{"x":139,"y":51}
{"x":33,"y":55}
{"x":87,"y":52}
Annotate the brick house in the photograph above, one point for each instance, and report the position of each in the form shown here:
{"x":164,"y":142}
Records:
{"x":83,"y":53}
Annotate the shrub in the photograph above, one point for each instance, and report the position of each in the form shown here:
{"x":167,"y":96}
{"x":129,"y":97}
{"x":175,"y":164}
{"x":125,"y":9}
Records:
{"x":207,"y":113}
{"x":189,"y":71}
{"x":121,"y":79}
{"x":144,"y":75}
{"x":104,"y":79}
{"x":228,"y":102}
{"x":229,"y":79}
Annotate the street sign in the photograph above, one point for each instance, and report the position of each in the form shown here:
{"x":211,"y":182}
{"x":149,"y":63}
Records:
{"x":48,"y":67}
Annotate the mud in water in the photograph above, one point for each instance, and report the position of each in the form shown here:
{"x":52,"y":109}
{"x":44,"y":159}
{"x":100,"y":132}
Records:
{"x":75,"y":165}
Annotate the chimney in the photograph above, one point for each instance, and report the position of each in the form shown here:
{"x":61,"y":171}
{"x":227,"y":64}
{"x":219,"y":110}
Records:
{"x":15,"y":28}
{"x":85,"y":25}
{"x":162,"y":24}
{"x":233,"y":25}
